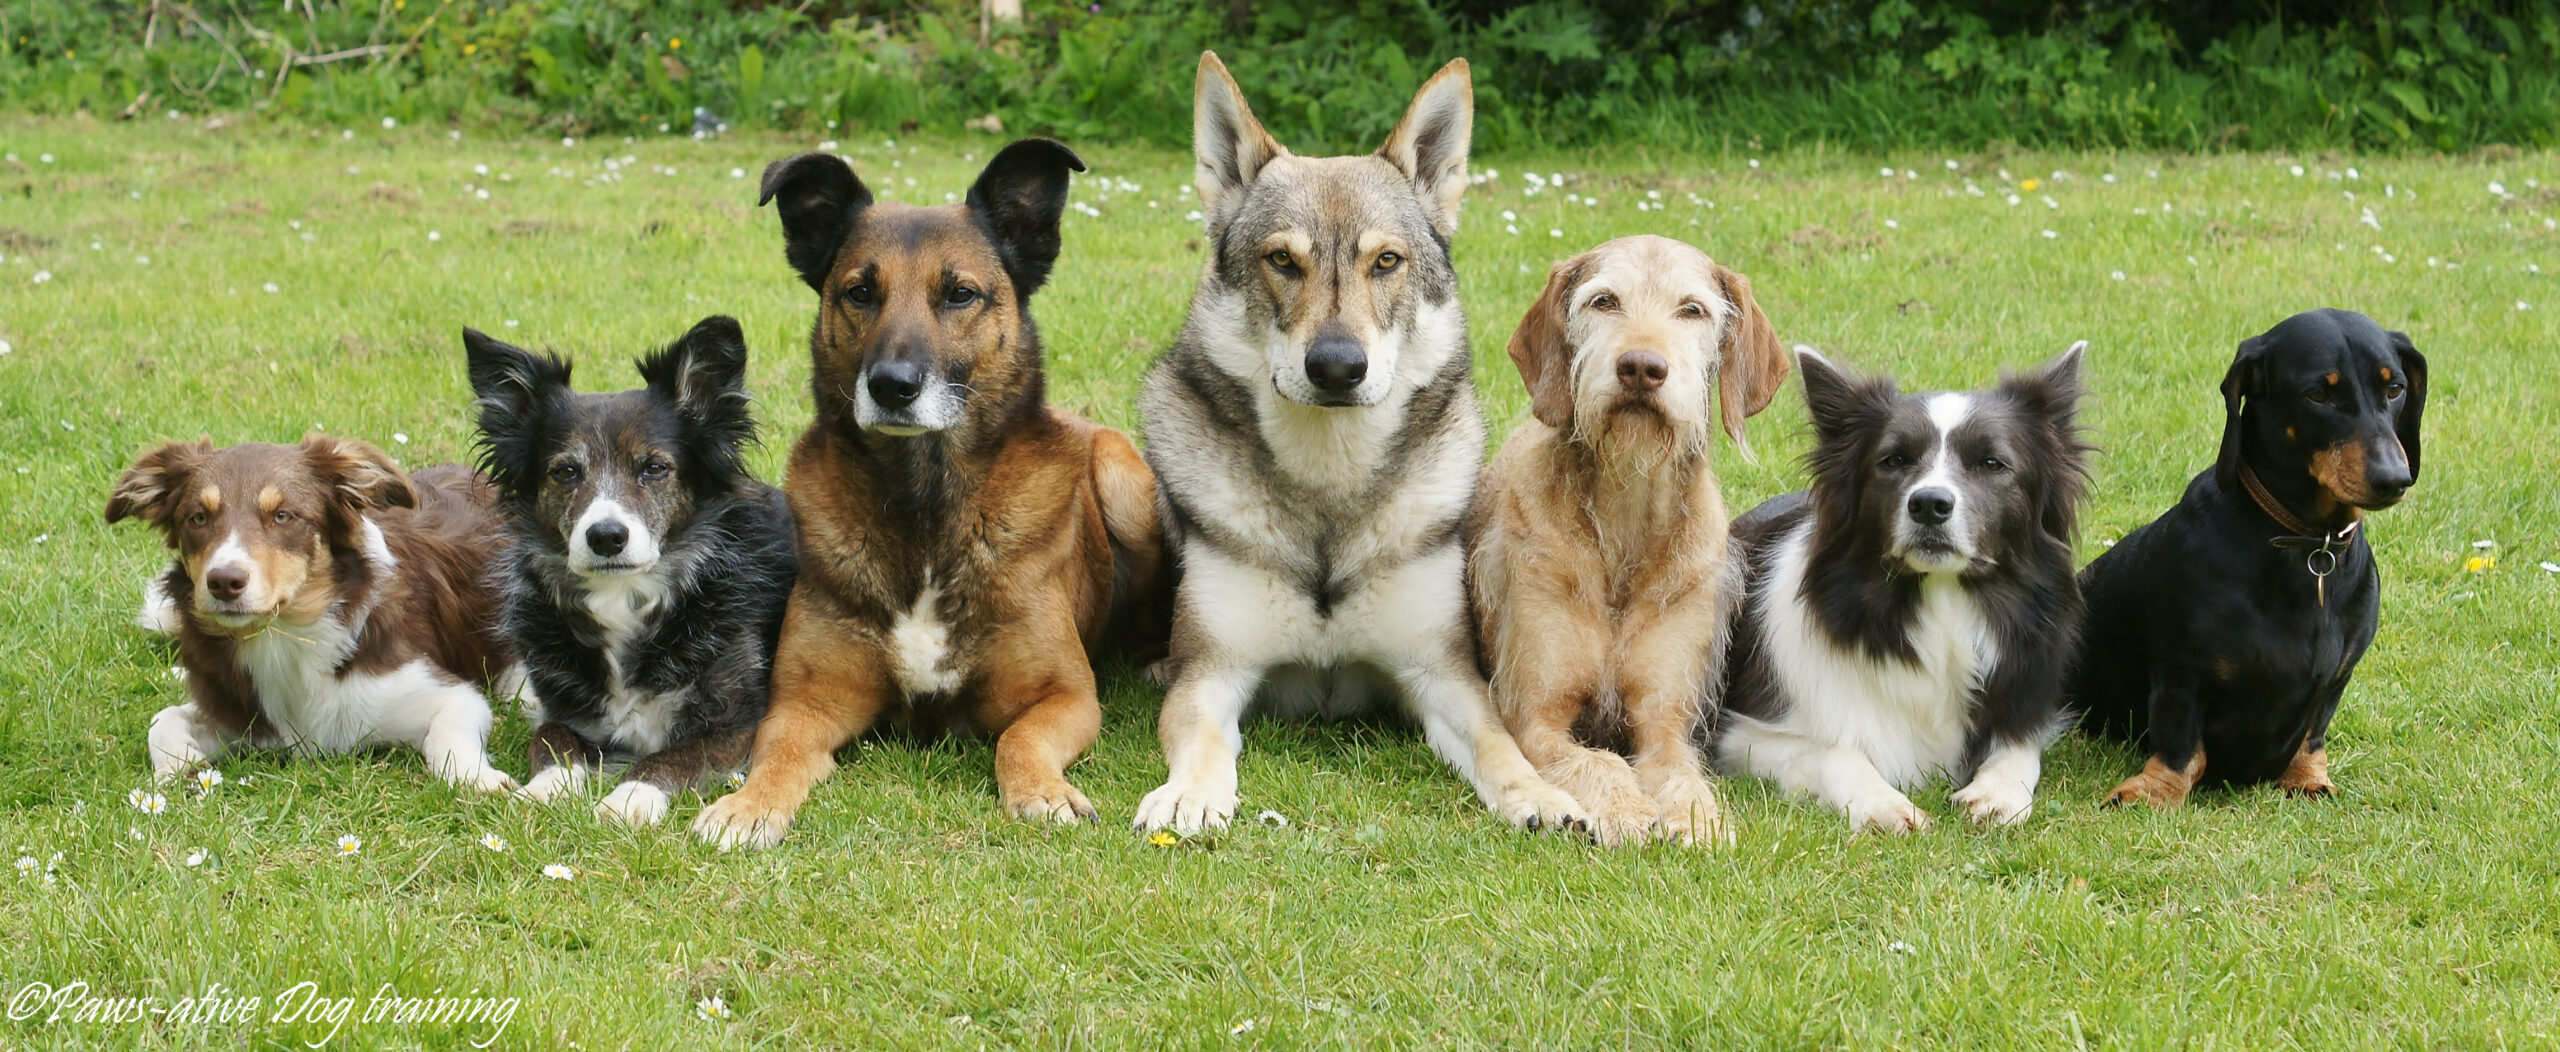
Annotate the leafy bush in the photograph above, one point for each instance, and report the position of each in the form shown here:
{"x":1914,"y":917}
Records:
{"x":1876,"y":73}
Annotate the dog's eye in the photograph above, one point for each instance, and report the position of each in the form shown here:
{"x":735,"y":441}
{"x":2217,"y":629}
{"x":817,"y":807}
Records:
{"x":2318,"y":395}
{"x":2394,"y":389}
{"x":1692,"y":310}
{"x":282,"y":516}
{"x":566,"y":474}
{"x":861,"y":294}
{"x":1993,"y":464}
{"x":960,"y":296}
{"x":1387,"y":262}
{"x":1282,"y":261}
{"x":1896,"y":460}
{"x":653,"y":469}
{"x":198,"y":519}
{"x":1604,"y":301}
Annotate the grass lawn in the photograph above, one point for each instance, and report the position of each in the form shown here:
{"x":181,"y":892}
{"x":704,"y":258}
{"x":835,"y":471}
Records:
{"x":255,"y":284}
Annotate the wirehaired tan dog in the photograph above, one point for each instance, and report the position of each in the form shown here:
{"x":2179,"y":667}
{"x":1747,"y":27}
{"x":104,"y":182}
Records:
{"x":1603,"y":592}
{"x":1317,"y":441}
{"x":962,"y":543}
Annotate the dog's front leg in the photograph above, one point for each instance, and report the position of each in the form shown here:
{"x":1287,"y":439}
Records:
{"x":827,"y":690}
{"x":1040,"y":738}
{"x":1543,"y":679}
{"x":651,"y":785}
{"x":457,"y":740}
{"x":1458,"y":720}
{"x":1838,"y":775}
{"x":1202,"y":731}
{"x":183,"y":737}
{"x":2177,"y":750}
{"x":557,"y":762}
{"x":1659,"y":685}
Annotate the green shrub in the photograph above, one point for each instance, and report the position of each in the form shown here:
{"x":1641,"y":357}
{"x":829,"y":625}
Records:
{"x":1335,"y":73}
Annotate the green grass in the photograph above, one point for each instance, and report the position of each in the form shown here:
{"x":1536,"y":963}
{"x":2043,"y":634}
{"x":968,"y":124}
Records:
{"x":2417,"y":911}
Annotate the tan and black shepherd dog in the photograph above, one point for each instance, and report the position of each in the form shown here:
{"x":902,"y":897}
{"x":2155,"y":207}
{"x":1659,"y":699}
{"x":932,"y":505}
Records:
{"x":962,"y":544}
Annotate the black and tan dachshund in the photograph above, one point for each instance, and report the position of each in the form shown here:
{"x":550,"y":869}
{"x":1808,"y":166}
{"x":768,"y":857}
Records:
{"x":2223,"y":633}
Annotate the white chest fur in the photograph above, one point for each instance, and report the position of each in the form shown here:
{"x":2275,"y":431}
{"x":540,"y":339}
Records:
{"x":920,"y":647}
{"x":1909,"y":717}
{"x":635,"y":718}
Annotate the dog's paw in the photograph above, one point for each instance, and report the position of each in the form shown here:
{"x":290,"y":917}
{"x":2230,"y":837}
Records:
{"x":2151,"y":788}
{"x":2322,"y":789}
{"x":1688,"y":816}
{"x":2308,"y":776}
{"x":1539,"y":806}
{"x":1996,"y":801}
{"x":1055,"y":802}
{"x":1185,"y":809}
{"x":1623,"y":817}
{"x":554,"y":781}
{"x":739,"y":820}
{"x":486,"y":780}
{"x":634,"y":804}
{"x":1889,"y":813}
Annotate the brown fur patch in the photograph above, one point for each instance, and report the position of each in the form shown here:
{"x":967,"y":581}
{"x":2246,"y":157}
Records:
{"x":2159,"y":785}
{"x":2339,"y":470}
{"x":2308,"y":773}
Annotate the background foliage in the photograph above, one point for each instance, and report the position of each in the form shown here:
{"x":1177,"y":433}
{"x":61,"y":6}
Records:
{"x":2185,"y":75}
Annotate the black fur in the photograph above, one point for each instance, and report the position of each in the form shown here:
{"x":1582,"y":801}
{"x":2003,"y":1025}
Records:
{"x":1865,"y":598}
{"x":727,"y":560}
{"x":2205,"y":634}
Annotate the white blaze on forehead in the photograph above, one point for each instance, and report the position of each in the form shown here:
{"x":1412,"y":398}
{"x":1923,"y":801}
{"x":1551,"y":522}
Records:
{"x":1948,"y":412}
{"x":232,"y":554}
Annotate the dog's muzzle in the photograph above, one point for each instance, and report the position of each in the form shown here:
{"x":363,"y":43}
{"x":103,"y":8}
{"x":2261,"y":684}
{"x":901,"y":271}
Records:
{"x":1925,"y":539}
{"x":902,"y":398}
{"x":1336,"y":365}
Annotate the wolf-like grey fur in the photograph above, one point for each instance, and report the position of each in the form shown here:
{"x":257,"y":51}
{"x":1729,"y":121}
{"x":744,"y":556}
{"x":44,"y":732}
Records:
{"x":1318,"y":528}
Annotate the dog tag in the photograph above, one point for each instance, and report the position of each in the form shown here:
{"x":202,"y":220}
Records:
{"x":2321,"y":562}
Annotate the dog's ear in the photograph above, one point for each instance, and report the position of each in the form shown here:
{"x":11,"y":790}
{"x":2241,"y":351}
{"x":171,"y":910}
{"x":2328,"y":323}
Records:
{"x":704,"y":374}
{"x":819,"y":199}
{"x":1835,"y":398}
{"x":2051,"y":394}
{"x":514,"y":388}
{"x":1430,"y":144}
{"x":1020,"y":196}
{"x":1228,"y":146}
{"x":1540,"y":350}
{"x":149,"y":489}
{"x":358,"y":475}
{"x":1752,"y":363}
{"x":2413,"y":371}
{"x":2243,"y":381}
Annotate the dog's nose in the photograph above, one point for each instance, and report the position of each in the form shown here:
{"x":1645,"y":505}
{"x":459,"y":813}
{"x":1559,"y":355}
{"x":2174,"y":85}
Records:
{"x":1336,"y":364}
{"x":226,"y":582}
{"x":608,"y":537}
{"x":896,"y":383}
{"x":2386,"y":471}
{"x":1932,"y":506}
{"x":1642,"y":370}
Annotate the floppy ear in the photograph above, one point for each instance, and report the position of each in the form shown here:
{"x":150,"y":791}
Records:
{"x":359,"y":476}
{"x":1228,"y":146}
{"x":2413,"y":366}
{"x":819,"y":198}
{"x":2239,"y":383}
{"x":514,"y":388}
{"x":1430,"y":144}
{"x":149,"y":489}
{"x":1752,"y":364}
{"x":704,"y":374}
{"x":1540,"y":350}
{"x":1019,"y":196}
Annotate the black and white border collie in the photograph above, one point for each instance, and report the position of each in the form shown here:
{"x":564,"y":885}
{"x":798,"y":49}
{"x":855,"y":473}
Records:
{"x":646,"y":583}
{"x":1912,"y":614}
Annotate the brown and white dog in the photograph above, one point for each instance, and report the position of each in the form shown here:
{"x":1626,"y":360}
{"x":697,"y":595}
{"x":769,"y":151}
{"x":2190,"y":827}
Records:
{"x":1603,"y":592}
{"x":324,"y":600}
{"x":962,"y":543}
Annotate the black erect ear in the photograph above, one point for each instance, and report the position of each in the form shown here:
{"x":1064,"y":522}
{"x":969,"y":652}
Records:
{"x":2413,"y":369}
{"x":2243,"y":381}
{"x":515,"y":390}
{"x":819,"y":198}
{"x":2052,"y":393}
{"x":1836,"y":398}
{"x":705,"y":375}
{"x":1020,"y":197}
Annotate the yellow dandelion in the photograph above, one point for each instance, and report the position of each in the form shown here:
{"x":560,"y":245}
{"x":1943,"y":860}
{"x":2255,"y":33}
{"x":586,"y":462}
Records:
{"x":2029,"y":185}
{"x":1163,"y":838}
{"x":2479,"y":564}
{"x":470,"y":48}
{"x":675,"y":43}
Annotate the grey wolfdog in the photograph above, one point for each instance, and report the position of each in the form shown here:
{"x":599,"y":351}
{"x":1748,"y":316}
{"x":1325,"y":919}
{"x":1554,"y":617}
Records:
{"x":1316,"y":441}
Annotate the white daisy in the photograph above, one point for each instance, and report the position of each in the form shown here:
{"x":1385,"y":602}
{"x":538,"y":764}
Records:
{"x":556,"y":871}
{"x":196,"y":858}
{"x":350,"y":844}
{"x":711,"y":1009}
{"x":493,"y":842}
